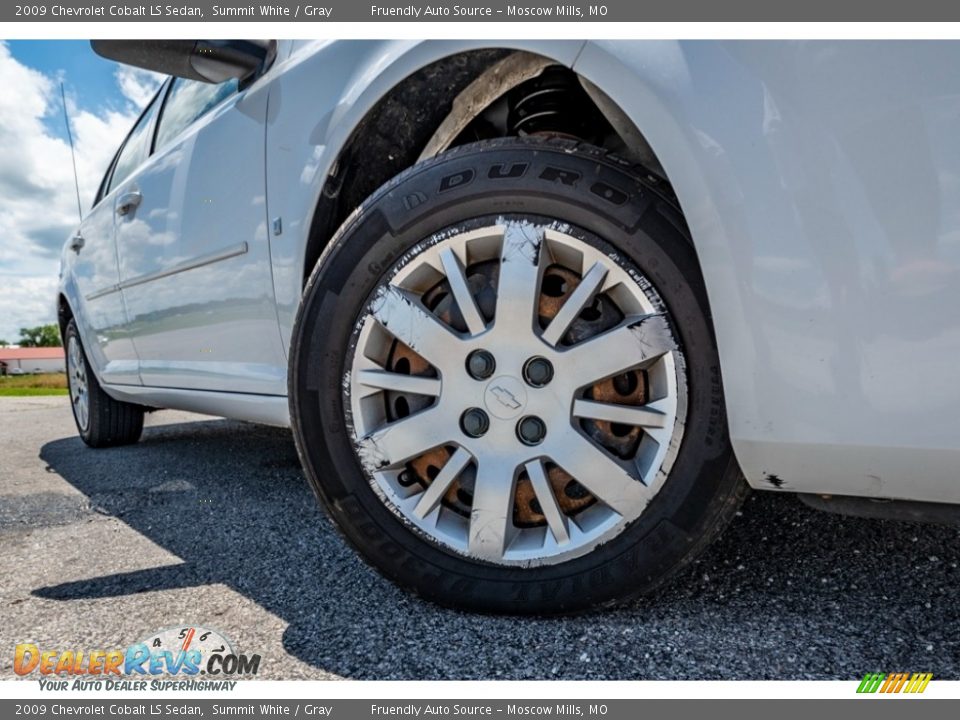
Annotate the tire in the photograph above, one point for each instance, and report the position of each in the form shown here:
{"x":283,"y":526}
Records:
{"x":101,"y":420}
{"x":568,"y":545}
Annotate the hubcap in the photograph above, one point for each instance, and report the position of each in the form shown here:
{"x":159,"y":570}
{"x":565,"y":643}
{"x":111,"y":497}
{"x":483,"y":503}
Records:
{"x":77,"y":381}
{"x":579,"y":413}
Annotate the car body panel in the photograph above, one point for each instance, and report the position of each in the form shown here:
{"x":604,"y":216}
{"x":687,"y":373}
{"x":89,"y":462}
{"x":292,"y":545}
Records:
{"x":821,"y":184}
{"x":194,"y":257}
{"x":90,"y":278}
{"x":251,"y":407}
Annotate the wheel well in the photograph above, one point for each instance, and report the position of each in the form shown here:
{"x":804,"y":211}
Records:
{"x":464,"y":98}
{"x":64,"y":315}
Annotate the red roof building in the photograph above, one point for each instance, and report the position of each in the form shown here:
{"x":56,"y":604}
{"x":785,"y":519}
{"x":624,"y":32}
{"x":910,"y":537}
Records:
{"x":31,"y":360}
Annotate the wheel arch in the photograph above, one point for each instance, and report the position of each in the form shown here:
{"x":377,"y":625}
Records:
{"x":377,"y":150}
{"x":459,"y":87}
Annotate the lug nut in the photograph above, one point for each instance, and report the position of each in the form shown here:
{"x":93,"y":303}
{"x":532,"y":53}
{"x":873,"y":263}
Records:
{"x":480,"y":364}
{"x":531,"y":430}
{"x":474,"y":422}
{"x":537,"y":372}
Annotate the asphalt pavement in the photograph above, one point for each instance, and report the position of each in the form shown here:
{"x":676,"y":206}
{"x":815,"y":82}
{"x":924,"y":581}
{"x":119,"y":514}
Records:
{"x":210,"y":522}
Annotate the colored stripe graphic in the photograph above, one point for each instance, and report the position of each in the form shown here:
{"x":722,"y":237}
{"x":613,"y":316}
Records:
{"x":894,"y":682}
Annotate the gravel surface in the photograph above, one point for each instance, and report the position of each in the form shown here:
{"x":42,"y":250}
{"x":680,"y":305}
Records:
{"x":210,"y":522}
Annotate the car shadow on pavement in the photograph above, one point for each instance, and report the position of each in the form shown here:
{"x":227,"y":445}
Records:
{"x":786,"y":593}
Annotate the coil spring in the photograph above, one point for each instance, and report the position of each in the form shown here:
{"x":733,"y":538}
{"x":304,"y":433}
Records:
{"x":552,"y":104}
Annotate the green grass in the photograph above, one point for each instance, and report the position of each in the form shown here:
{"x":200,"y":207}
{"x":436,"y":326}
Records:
{"x":32,"y":385}
{"x":30,"y":392}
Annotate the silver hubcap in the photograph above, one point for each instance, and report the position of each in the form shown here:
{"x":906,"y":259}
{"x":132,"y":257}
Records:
{"x":559,"y":448}
{"x":77,"y":380}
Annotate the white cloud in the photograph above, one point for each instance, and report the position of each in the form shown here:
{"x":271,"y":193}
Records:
{"x":137,"y":85}
{"x":30,"y":301}
{"x":39,"y":208}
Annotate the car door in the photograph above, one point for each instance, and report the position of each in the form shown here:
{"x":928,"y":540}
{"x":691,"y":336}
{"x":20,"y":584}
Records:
{"x":92,"y":257}
{"x":193,"y":246}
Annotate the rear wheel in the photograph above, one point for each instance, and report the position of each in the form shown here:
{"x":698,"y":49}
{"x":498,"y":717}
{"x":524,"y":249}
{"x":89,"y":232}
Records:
{"x":504,"y":386}
{"x":101,"y":420}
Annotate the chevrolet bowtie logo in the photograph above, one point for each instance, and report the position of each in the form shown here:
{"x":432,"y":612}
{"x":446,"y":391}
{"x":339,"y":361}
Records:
{"x":505,"y":397}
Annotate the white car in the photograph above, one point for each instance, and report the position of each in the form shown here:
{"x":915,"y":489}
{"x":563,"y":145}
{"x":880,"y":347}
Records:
{"x":539,"y":313}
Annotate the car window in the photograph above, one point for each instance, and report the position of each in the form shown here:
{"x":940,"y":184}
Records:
{"x":187,"y":101}
{"x":136,"y":148}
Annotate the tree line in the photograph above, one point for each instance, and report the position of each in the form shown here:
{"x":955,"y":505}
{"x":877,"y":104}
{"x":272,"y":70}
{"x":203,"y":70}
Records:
{"x":39,"y":336}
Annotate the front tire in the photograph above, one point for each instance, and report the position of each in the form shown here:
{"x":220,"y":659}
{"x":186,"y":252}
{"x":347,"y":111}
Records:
{"x":101,"y":420}
{"x":504,"y":386}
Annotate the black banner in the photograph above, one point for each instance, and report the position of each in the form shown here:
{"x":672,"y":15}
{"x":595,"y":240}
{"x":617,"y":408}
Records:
{"x":480,"y":11}
{"x":319,"y":709}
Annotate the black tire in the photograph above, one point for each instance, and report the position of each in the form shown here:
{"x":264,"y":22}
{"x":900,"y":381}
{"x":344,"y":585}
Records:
{"x":109,"y":422}
{"x":576,"y":184}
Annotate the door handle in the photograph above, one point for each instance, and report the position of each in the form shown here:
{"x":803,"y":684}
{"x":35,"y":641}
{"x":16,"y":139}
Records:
{"x":77,"y":242}
{"x":128,"y":202}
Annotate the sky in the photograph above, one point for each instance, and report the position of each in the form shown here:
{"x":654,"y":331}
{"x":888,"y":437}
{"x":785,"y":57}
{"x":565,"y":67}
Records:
{"x":38,"y":202}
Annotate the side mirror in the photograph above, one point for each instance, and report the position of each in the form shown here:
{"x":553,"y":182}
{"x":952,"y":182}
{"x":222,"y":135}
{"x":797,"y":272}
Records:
{"x":210,"y":61}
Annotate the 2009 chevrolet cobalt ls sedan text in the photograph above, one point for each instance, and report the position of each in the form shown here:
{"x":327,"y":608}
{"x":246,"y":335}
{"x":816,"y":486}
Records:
{"x":539,"y":313}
